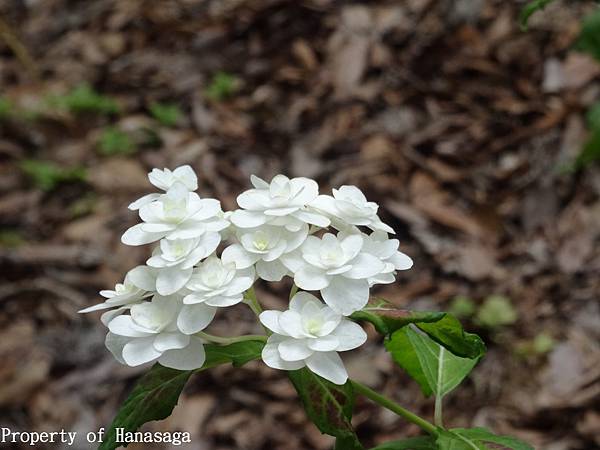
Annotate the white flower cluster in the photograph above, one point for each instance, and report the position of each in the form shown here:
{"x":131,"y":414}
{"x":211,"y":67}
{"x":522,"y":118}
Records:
{"x":336,"y":245}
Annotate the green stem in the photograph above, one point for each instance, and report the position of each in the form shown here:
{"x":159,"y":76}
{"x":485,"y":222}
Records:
{"x":230,"y":340}
{"x":251,"y":300}
{"x":293,"y":291}
{"x":394,"y":407}
{"x":437,"y":415}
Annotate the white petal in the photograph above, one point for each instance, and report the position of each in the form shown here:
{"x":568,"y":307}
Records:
{"x":124,"y":326}
{"x":110,"y":315}
{"x":351,"y":244}
{"x":401,"y":261}
{"x":324,"y":343}
{"x":134,"y":206}
{"x":115,"y":343}
{"x":169,"y":341}
{"x":301,"y":299}
{"x":294,"y":349}
{"x":329,"y":366}
{"x":136,"y":236}
{"x":311,"y":278}
{"x":143,"y":277}
{"x":140,"y":351}
{"x":186,"y":175}
{"x":270,"y":319}
{"x":364,"y":266}
{"x":188,"y":358}
{"x":379,"y":225}
{"x":271,"y":270}
{"x":172,"y":279}
{"x":247,"y":219}
{"x":312,"y":218}
{"x":270,"y":356}
{"x":291,"y":323}
{"x":350,"y":334}
{"x":293,"y":261}
{"x":222,"y":301}
{"x":346,"y":295}
{"x":237,"y":255}
{"x":194,"y":318}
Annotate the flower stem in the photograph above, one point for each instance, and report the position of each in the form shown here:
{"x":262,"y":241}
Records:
{"x":293,"y":291}
{"x":251,"y":300}
{"x":230,"y":340}
{"x":394,"y":407}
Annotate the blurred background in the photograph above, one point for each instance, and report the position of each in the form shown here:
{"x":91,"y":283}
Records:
{"x":465,"y":129}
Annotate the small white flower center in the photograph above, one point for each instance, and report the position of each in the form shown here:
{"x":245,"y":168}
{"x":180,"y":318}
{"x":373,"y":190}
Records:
{"x":313,"y":326}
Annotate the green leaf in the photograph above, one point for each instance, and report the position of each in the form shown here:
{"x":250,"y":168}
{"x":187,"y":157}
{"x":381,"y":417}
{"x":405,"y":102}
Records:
{"x":387,"y":318}
{"x":435,"y":369}
{"x":449,"y":332}
{"x":593,"y":116}
{"x":589,"y":39}
{"x":157,"y":392}
{"x":477,"y":439}
{"x":222,"y":86}
{"x":329,"y":406}
{"x":153,"y":398}
{"x":417,"y":443}
{"x":84,"y":99}
{"x":529,"y":9}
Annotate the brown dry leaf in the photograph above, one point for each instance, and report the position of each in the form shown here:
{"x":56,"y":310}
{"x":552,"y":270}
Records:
{"x":119,"y":174}
{"x":428,"y":197}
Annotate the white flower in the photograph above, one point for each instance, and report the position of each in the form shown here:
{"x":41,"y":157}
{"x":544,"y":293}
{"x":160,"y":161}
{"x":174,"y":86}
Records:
{"x":139,"y":283}
{"x":310,"y":334}
{"x":178,"y":214}
{"x":378,"y":245}
{"x":336,"y":266}
{"x":264,"y":246}
{"x":282,"y":202}
{"x":348,"y":206}
{"x":150,"y":333}
{"x":175,"y":260}
{"x":165,"y":179}
{"x":212,"y":285}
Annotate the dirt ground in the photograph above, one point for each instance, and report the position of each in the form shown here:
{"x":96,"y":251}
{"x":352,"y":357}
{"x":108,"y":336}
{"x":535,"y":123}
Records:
{"x":454,"y":120}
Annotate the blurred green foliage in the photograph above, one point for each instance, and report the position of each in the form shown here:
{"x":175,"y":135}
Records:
{"x":589,"y":39}
{"x":222,"y":86}
{"x":115,"y":142}
{"x":6,"y":108}
{"x":496,"y":311}
{"x":11,"y":238}
{"x":84,"y":99}
{"x":167,"y":114}
{"x":47,"y":175}
{"x":541,"y":344}
{"x":462,"y":307}
{"x":83,"y":205}
{"x":529,"y":9}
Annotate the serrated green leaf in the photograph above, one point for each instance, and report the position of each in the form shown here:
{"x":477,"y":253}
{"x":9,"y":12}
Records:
{"x":449,"y":332}
{"x":387,"y":318}
{"x":477,"y":439}
{"x":329,"y":406}
{"x":529,"y":9}
{"x":157,"y":392}
{"x":435,"y":369}
{"x":589,"y":39}
{"x":417,"y":443}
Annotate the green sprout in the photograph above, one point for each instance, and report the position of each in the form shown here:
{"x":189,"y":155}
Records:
{"x":462,"y":307}
{"x":115,"y":142}
{"x":222,"y":86}
{"x":47,"y":175}
{"x":497,"y":311}
{"x":167,"y":114}
{"x":84,"y":99}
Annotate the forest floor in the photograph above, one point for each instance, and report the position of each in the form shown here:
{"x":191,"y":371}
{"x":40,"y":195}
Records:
{"x":460,"y":125}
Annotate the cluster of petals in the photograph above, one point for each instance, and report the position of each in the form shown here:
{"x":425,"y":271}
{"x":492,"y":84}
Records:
{"x":310,"y":334}
{"x":334,"y":244}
